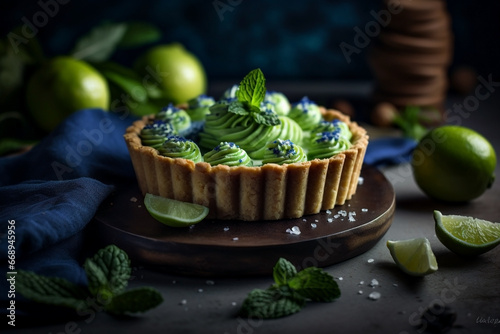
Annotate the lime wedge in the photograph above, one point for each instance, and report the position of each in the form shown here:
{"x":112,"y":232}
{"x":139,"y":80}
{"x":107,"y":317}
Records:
{"x":174,"y":213}
{"x":465,"y":235}
{"x":413,"y":256}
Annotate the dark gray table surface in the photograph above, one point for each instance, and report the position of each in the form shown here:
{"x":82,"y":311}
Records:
{"x":468,"y":286}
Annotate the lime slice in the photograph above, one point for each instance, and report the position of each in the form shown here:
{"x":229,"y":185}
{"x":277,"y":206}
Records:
{"x":465,"y":235}
{"x":413,"y":256}
{"x":174,"y":213}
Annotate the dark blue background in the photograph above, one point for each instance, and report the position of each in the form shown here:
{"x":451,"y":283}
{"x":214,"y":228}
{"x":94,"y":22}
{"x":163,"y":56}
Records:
{"x":287,"y":39}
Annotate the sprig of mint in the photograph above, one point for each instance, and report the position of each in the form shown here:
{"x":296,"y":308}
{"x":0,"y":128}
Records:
{"x":250,"y":95}
{"x":409,"y":121}
{"x":290,"y":292}
{"x":108,"y":272}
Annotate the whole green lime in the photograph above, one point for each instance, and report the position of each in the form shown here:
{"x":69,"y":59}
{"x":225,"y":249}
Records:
{"x":454,"y":164}
{"x":175,"y":70}
{"x":62,"y":86}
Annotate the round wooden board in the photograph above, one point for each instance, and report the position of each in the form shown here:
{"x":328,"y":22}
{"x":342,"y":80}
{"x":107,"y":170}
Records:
{"x":233,"y":248}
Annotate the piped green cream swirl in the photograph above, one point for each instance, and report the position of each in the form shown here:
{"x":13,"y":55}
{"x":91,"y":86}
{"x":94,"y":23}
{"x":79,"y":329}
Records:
{"x":178,"y":117}
{"x":155,"y":133}
{"x":283,"y":152}
{"x":280,"y":101}
{"x":334,"y":125}
{"x":180,"y":147}
{"x":326,"y":144}
{"x":199,"y":106}
{"x":244,"y":131}
{"x":228,"y":154}
{"x":306,"y":113}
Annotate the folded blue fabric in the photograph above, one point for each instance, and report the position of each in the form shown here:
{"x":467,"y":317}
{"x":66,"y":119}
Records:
{"x":52,"y":192}
{"x":389,"y":151}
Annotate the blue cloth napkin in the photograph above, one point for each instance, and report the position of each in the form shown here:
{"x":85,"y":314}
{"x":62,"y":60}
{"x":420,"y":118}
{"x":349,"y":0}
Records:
{"x":52,"y":192}
{"x":389,"y":151}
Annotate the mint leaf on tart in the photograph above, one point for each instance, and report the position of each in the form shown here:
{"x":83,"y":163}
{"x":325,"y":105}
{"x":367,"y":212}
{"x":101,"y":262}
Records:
{"x":290,"y":292}
{"x":252,"y":88}
{"x":237,"y":108}
{"x":266,"y":118}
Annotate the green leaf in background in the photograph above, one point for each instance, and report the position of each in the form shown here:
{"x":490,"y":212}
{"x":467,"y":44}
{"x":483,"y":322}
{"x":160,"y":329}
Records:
{"x":315,"y":284}
{"x":134,"y":301}
{"x":108,"y":270}
{"x":139,"y":33}
{"x":50,"y":290}
{"x":126,"y":79}
{"x":283,"y":271}
{"x":409,"y":122}
{"x":100,"y":43}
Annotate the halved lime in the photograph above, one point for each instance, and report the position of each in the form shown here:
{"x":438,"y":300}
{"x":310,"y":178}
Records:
{"x":465,"y":235}
{"x":174,"y":213}
{"x":413,"y":256}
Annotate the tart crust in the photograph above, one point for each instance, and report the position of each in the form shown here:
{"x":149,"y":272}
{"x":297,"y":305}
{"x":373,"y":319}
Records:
{"x":268,"y":192}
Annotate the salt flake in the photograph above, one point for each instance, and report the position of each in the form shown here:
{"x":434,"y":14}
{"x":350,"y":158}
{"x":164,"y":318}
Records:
{"x":374,"y":295}
{"x":374,"y":283}
{"x":294,"y":230}
{"x":313,"y":225}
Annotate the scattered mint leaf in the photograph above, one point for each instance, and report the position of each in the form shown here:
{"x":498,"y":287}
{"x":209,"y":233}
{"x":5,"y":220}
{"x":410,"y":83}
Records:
{"x":134,"y":301}
{"x":237,"y":108}
{"x":252,"y":89}
{"x":315,"y":284}
{"x":109,"y":269}
{"x":290,"y":292}
{"x":99,"y":43}
{"x":283,"y":271}
{"x":50,"y":290}
{"x":272,"y":303}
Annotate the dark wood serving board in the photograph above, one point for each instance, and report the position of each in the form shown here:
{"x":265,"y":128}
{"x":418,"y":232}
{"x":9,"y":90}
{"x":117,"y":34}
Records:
{"x":232,"y":248}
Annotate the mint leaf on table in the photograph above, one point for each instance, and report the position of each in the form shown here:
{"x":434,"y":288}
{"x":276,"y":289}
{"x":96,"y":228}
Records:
{"x":108,"y":270}
{"x":315,"y":284}
{"x":272,"y":303}
{"x":290,"y":292}
{"x":283,"y":271}
{"x":50,"y":290}
{"x":252,"y":88}
{"x":134,"y":301}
